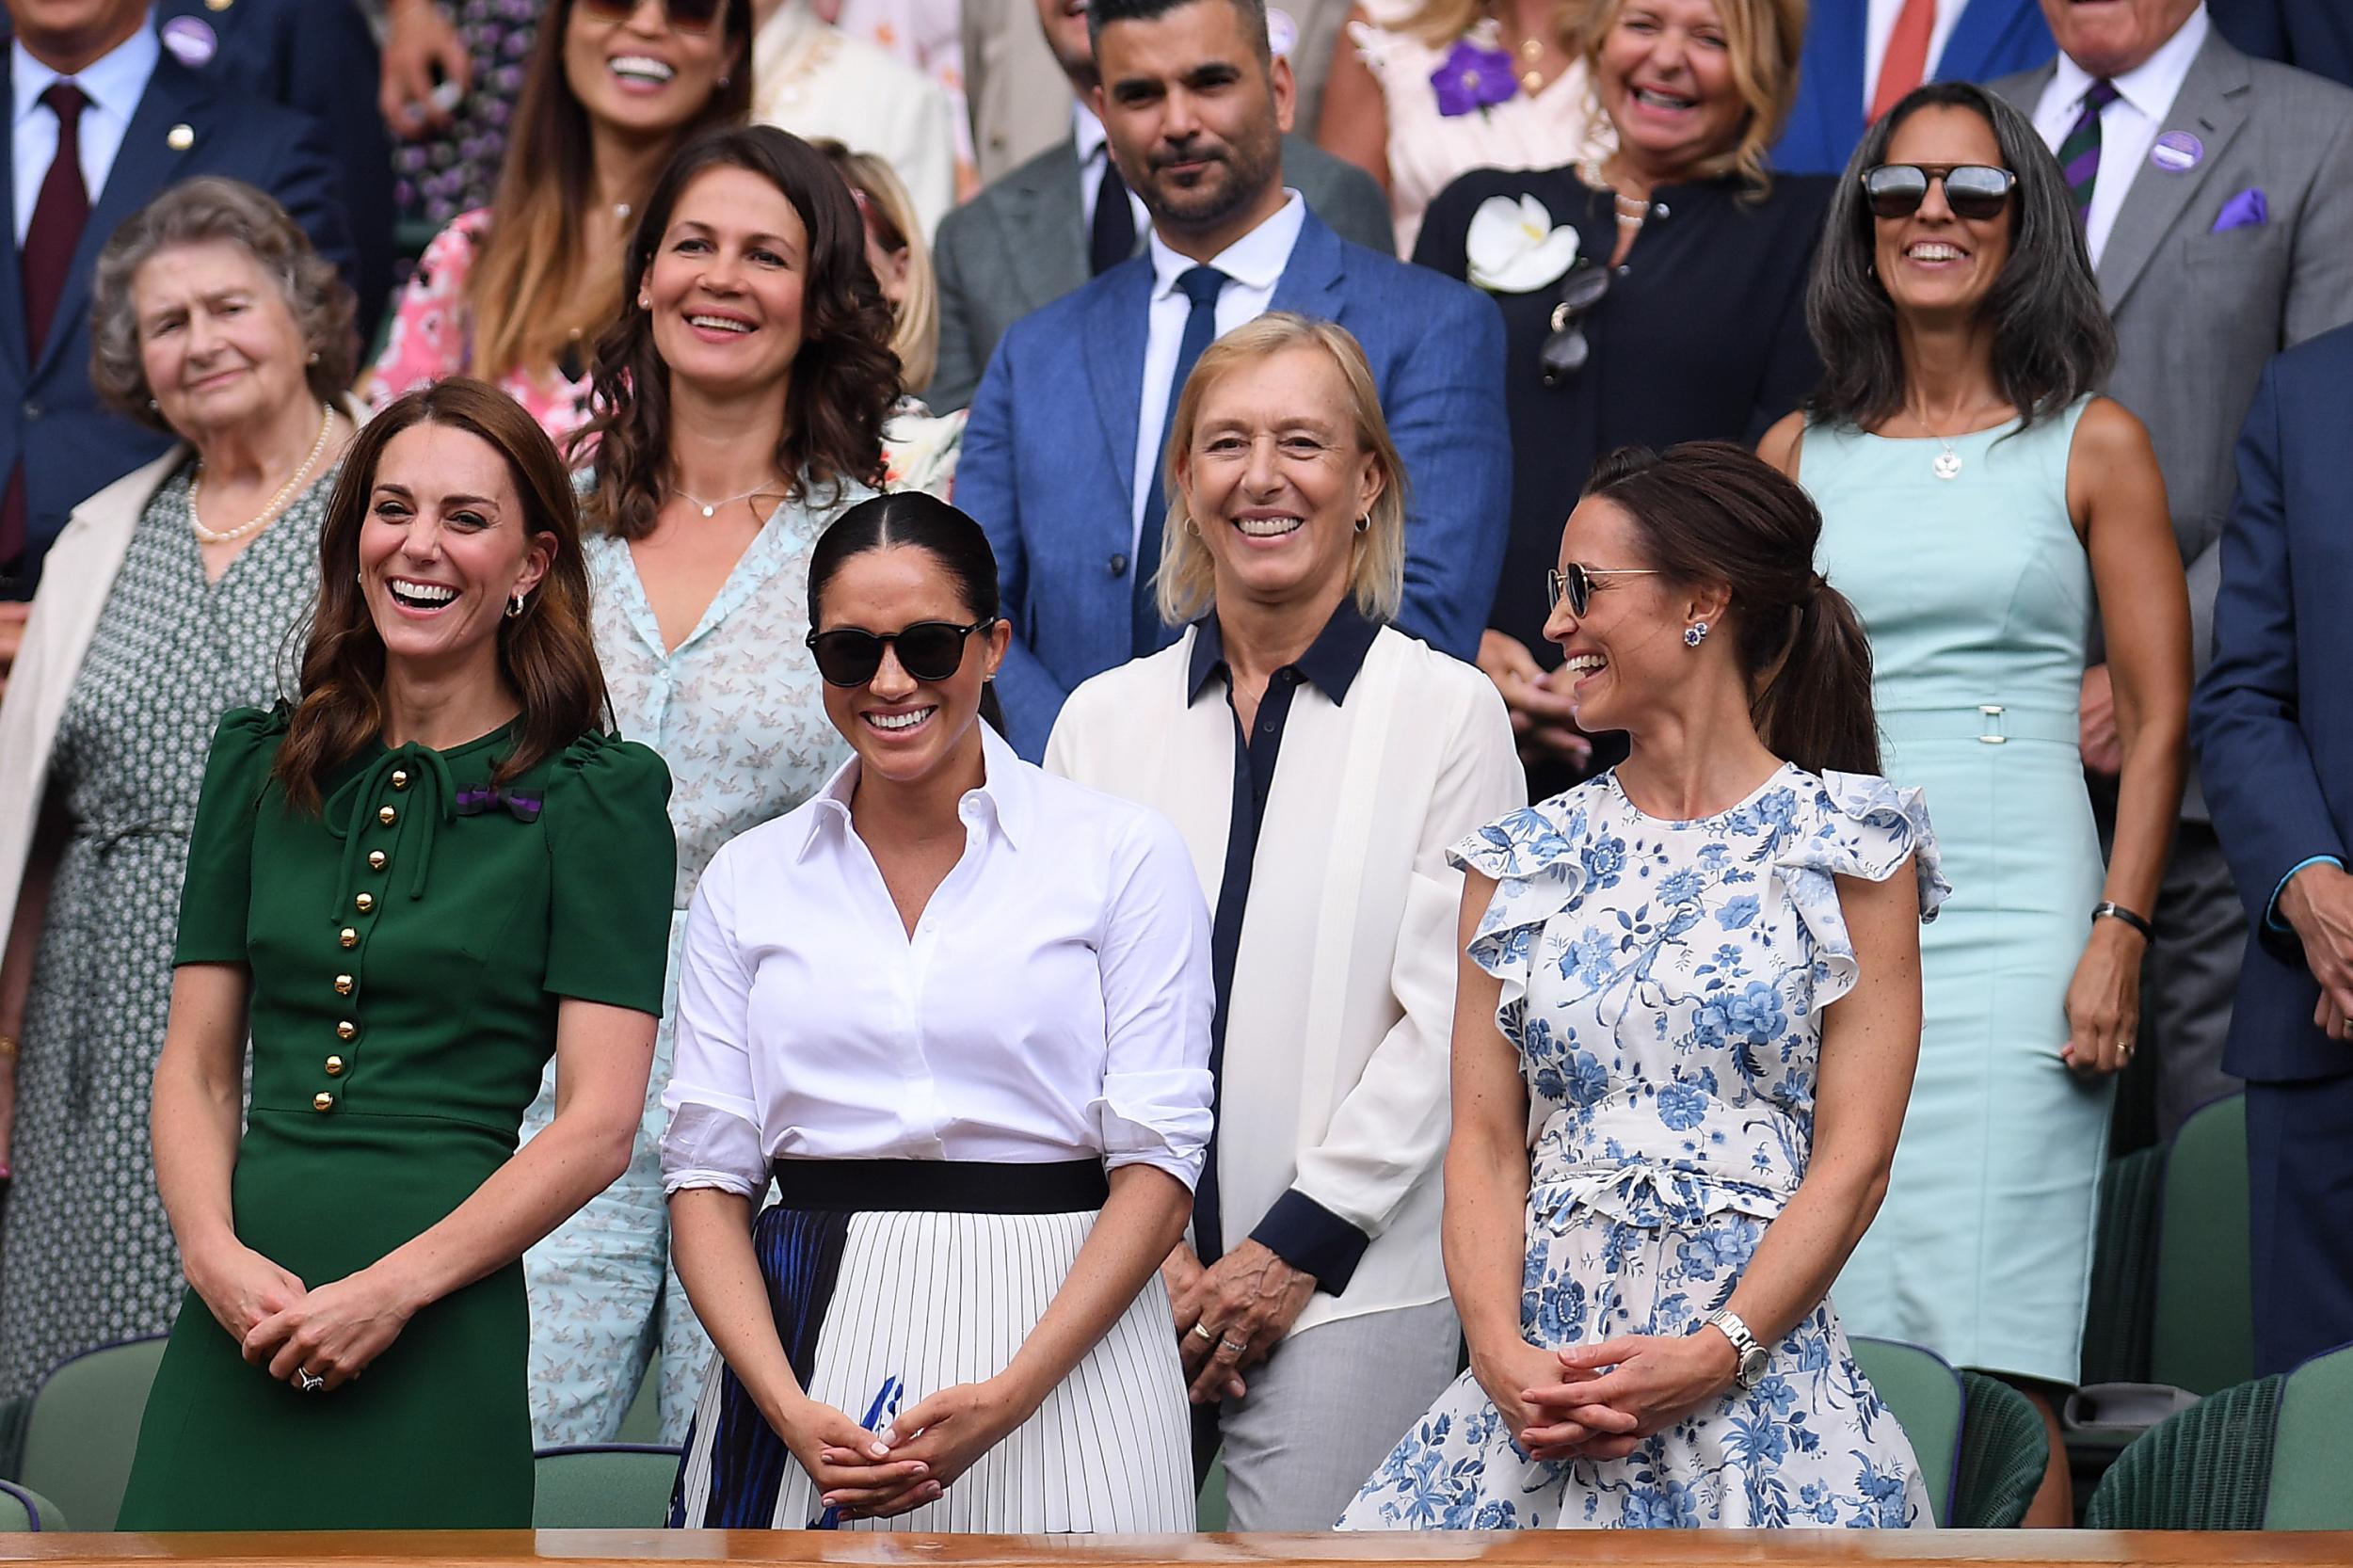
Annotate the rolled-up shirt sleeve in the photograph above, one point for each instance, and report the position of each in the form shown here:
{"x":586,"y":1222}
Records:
{"x":713,"y":1136}
{"x":1157,"y":996}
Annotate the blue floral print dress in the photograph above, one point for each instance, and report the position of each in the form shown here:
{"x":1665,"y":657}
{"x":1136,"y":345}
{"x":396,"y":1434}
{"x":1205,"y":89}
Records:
{"x":1664,"y":983}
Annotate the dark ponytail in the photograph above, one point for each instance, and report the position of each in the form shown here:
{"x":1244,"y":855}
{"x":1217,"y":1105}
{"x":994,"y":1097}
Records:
{"x":915,"y":520}
{"x":1714,"y":512}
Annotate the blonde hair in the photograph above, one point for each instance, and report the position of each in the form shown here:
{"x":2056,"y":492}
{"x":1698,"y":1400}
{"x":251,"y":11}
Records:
{"x":1762,"y":40}
{"x":890,"y":213}
{"x":1187,"y":583}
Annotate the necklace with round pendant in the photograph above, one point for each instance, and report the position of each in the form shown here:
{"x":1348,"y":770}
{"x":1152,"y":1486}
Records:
{"x":1947,"y":464}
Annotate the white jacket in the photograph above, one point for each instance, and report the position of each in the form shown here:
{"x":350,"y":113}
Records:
{"x":1338,"y":1024}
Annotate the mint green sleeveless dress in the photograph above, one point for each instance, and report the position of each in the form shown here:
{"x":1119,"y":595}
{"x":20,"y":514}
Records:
{"x":1977,"y":595}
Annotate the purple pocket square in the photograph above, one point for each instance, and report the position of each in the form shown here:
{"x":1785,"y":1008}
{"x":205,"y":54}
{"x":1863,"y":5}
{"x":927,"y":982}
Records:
{"x":2247,"y":210}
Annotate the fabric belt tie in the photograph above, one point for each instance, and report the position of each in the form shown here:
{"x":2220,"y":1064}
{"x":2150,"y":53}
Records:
{"x":1991,"y":723}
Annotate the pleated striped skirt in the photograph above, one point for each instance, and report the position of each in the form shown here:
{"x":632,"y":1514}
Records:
{"x":891,"y":1280}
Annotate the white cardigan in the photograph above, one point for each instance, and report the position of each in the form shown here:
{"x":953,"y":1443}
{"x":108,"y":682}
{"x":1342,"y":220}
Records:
{"x":1338,"y":1028}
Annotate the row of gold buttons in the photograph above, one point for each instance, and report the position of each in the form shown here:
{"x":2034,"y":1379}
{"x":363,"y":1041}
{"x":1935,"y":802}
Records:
{"x":345,"y":1030}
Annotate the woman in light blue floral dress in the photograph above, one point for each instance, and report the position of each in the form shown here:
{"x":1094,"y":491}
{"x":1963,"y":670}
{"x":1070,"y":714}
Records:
{"x":1683,"y":1037}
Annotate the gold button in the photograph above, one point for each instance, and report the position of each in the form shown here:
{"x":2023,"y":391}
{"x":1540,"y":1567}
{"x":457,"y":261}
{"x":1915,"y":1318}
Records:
{"x":350,"y":939}
{"x":400,"y":779}
{"x":387,"y":816}
{"x":364,"y":902}
{"x":342,"y":985}
{"x":334,"y":1067}
{"x":322,"y":1101}
{"x":218,"y":5}
{"x":375,"y":859}
{"x":180,"y":138}
{"x":346,"y":1029}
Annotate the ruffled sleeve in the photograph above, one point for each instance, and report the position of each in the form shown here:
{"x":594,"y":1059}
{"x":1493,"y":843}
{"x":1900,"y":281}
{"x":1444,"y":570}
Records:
{"x":1855,"y":825}
{"x":216,"y":895}
{"x":615,"y":864}
{"x":1537,"y":858}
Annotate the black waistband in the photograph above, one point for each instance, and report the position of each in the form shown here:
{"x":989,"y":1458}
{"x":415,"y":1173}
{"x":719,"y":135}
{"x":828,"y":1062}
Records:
{"x":941,"y":1186}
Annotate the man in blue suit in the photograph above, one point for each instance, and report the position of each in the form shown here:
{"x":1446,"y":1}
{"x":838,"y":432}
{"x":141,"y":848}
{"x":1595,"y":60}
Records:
{"x":2274,"y":726}
{"x":1863,"y":53}
{"x":1061,"y":454}
{"x":94,"y":72}
{"x":318,"y":57}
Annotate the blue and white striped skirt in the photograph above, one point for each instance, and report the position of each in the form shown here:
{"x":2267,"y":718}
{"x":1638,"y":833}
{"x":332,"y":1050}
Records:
{"x":893,"y":1279}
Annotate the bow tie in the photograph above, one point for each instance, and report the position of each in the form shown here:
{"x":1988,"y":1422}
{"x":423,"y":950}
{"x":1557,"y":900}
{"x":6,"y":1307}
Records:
{"x":518,"y":804}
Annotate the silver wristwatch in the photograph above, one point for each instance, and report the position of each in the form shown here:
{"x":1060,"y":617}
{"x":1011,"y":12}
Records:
{"x":1753,"y":1357}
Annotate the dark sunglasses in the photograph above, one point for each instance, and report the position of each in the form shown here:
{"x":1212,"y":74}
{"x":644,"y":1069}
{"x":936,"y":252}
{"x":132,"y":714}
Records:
{"x":1975,"y":191}
{"x":928,"y":650}
{"x":1575,"y":583}
{"x":1565,"y":349}
{"x":687,"y":16}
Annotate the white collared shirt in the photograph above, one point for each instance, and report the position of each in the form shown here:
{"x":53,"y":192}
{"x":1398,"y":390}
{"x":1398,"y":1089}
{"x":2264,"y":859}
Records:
{"x":1094,"y":152}
{"x":1254,"y":265}
{"x":1879,"y":26}
{"x":2128,"y":127}
{"x":114,"y":83}
{"x":1052,"y":1003}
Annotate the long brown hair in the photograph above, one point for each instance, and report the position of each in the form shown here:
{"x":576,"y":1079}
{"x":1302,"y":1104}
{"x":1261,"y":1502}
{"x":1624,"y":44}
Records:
{"x":844,"y":379}
{"x":536,"y":276}
{"x":546,"y":653}
{"x":1712,"y":512}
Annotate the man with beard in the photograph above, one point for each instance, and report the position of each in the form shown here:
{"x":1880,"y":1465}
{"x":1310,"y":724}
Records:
{"x":1046,"y":226}
{"x":1062,"y":459}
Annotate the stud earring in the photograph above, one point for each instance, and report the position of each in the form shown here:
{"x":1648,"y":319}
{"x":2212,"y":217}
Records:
{"x":514,"y":607}
{"x":314,"y":357}
{"x":1695,"y":633}
{"x":154,"y":406}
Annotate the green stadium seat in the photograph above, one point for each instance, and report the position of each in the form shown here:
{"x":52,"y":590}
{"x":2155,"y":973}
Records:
{"x":2313,"y":1461}
{"x":85,"y":1429}
{"x":643,"y":1423}
{"x":23,"y":1511}
{"x":2207,"y":1468}
{"x":2005,"y":1449}
{"x":1926,"y":1396}
{"x":602,"y":1486}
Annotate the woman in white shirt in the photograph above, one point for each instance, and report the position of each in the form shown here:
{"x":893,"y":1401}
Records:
{"x":1312,"y":1299}
{"x":958,"y":1010}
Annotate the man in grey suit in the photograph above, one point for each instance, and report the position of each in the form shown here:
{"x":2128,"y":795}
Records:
{"x":2216,"y":193}
{"x":1044,"y":229}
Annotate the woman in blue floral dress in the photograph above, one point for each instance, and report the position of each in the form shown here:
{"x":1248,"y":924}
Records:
{"x":1683,"y":1037}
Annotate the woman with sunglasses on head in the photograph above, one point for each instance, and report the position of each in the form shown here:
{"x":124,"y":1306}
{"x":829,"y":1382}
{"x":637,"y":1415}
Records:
{"x":516,"y":292}
{"x":1980,"y":505}
{"x":959,"y":1010}
{"x":1653,"y":297}
{"x":1684,"y":1031}
{"x":740,"y":403}
{"x":435,"y":872}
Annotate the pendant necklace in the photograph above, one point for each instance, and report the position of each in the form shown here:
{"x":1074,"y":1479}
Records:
{"x":711,"y":508}
{"x":1947,"y":462}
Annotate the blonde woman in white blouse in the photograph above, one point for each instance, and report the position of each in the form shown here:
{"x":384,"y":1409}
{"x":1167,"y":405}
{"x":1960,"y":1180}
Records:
{"x":1319,"y":763}
{"x":959,"y":1010}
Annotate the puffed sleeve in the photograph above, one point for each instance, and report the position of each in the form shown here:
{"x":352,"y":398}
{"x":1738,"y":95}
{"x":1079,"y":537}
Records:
{"x":1158,"y":999}
{"x":1537,"y":858}
{"x":615,"y":863}
{"x":216,"y":895}
{"x":713,"y":1136}
{"x":1854,"y":825}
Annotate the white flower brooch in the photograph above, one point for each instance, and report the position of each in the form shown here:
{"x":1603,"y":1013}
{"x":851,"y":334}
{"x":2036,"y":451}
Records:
{"x":1514,"y":246}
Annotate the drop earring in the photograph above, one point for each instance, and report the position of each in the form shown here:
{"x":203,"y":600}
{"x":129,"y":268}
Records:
{"x":514,"y":607}
{"x":1695,"y":633}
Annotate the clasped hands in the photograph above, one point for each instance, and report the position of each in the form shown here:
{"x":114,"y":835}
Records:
{"x":1231,"y":1314}
{"x":1600,"y":1401}
{"x":331,"y":1334}
{"x":913,"y":1460}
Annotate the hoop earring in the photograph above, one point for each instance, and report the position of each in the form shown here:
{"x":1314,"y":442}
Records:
{"x":1695,"y":633}
{"x":514,"y":607}
{"x":1364,"y":524}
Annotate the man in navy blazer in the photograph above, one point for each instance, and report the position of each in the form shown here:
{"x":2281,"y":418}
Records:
{"x":1980,"y":39}
{"x":2274,"y":725}
{"x":181,"y":123}
{"x":1061,"y":450}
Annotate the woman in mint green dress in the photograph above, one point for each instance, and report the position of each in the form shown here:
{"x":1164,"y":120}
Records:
{"x":432,"y":872}
{"x":1981,"y":506}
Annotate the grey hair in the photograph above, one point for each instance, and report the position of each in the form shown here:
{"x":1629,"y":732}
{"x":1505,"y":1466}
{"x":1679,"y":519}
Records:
{"x":197,"y":212}
{"x":2053,"y":341}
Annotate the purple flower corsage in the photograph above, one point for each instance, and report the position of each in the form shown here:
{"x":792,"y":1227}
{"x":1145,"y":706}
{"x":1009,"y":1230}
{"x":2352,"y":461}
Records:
{"x":1472,"y":77}
{"x":518,"y":804}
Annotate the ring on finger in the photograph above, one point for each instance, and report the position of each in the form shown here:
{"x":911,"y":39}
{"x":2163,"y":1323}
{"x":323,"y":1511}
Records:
{"x":308,"y":1381}
{"x":1237,"y":1346}
{"x":1203,"y":1332}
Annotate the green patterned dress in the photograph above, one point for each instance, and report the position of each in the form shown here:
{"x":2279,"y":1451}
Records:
{"x":85,"y":1255}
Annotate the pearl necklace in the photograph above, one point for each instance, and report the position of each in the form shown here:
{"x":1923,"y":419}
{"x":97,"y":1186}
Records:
{"x":276,"y":503}
{"x":1631,"y":210}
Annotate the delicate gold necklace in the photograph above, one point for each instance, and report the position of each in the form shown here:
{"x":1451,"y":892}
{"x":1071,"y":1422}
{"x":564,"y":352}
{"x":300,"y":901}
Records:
{"x":276,"y":503}
{"x":711,"y":508}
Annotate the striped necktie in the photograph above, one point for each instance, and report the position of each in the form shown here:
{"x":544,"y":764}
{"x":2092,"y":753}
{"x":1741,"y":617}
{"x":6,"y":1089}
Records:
{"x":2079,"y":155}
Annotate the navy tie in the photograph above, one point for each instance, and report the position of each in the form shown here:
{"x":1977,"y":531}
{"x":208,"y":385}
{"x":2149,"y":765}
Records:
{"x":1112,"y":237}
{"x":1201,"y":285}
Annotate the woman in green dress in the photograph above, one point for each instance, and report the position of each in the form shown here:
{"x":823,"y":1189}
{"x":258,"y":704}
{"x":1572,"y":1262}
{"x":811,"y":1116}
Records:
{"x":431,"y":873}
